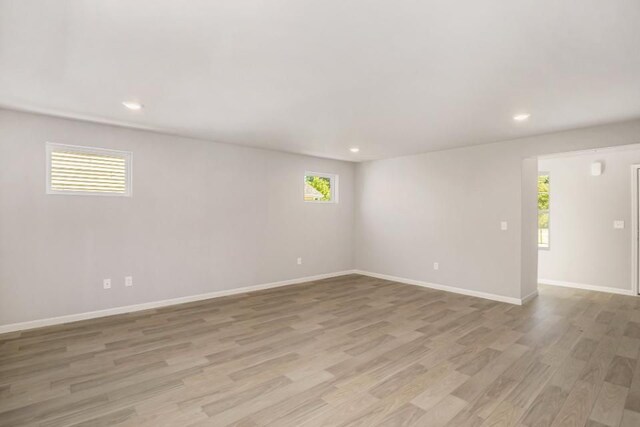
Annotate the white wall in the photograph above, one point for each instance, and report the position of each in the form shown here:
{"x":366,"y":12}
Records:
{"x":203,"y":217}
{"x":585,"y":248}
{"x":443,"y":207}
{"x":207,"y":217}
{"x":529,"y":243}
{"x":447,"y":206}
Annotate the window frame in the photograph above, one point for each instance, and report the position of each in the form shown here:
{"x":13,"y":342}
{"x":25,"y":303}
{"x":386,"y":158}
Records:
{"x":50,"y":147}
{"x":333,"y":183}
{"x":547,"y":211}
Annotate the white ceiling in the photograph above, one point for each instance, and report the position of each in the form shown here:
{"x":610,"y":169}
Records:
{"x":392,"y":77}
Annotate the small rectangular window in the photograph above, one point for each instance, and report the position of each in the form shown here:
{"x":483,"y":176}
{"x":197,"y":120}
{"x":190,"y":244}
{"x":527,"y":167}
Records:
{"x":77,"y":170}
{"x":320,"y":187}
{"x":543,"y":210}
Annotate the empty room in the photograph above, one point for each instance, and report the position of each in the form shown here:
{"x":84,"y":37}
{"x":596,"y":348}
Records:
{"x":319,"y":213}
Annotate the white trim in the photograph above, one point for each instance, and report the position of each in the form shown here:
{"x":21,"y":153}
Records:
{"x":127,"y":155}
{"x":585,"y":287}
{"x":635,"y":230}
{"x":333,"y":184}
{"x":12,"y":327}
{"x":485,"y":295}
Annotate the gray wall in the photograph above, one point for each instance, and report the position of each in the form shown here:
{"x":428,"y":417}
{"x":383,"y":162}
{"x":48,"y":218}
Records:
{"x":203,"y":217}
{"x":585,"y":248}
{"x":447,"y":206}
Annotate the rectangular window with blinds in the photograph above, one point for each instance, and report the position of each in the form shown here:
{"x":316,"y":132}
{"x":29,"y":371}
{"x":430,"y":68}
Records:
{"x":77,"y":170}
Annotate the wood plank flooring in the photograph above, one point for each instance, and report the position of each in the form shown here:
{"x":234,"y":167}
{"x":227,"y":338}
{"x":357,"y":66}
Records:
{"x":348,"y":351}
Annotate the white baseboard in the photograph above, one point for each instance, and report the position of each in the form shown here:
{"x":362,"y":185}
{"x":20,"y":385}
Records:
{"x":585,"y":287}
{"x":468,"y":292}
{"x":13,"y":327}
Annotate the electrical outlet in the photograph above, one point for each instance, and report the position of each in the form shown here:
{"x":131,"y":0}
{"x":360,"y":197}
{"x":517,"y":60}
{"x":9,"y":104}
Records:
{"x":128,"y":281}
{"x":106,"y":283}
{"x":618,"y":224}
{"x":436,"y":266}
{"x":299,"y":261}
{"x":504,"y":225}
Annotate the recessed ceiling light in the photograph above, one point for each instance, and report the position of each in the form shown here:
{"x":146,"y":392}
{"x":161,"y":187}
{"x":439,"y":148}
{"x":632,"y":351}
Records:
{"x":521,"y":117}
{"x":135,"y":106}
{"x":354,"y":149}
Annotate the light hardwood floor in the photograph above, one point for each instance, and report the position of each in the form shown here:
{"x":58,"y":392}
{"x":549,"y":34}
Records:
{"x":352,"y":350}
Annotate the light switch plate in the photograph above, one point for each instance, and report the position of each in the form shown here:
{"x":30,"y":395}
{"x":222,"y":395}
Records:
{"x":618,"y":224}
{"x":504,"y":226}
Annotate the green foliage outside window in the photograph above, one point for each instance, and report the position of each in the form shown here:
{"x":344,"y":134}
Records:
{"x":543,"y":211}
{"x":321,"y":184}
{"x":543,"y":192}
{"x":543,"y":220}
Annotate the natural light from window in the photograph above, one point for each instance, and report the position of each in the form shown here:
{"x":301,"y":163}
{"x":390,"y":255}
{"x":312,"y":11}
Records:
{"x":74,"y":170}
{"x":320,"y":187}
{"x":543,"y":210}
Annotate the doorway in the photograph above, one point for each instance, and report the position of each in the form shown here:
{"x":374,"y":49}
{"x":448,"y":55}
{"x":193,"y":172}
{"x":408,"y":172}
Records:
{"x":589,"y":219}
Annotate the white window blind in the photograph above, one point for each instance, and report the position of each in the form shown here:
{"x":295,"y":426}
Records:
{"x":87,"y":171}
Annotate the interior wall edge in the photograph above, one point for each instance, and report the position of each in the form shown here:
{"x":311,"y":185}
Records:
{"x":529,"y":297}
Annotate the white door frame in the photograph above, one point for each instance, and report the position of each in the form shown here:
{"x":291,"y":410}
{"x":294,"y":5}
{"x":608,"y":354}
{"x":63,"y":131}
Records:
{"x":635,"y":230}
